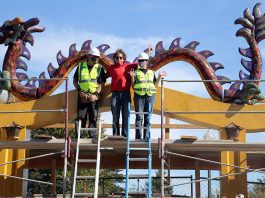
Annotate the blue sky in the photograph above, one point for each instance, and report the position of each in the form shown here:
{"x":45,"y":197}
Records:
{"x":132,"y":25}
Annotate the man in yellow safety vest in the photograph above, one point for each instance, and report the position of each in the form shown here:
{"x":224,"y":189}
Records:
{"x":88,"y":80}
{"x":144,"y":84}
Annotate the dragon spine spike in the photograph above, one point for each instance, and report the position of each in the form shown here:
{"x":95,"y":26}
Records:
{"x":247,"y":64}
{"x":223,"y":78}
{"x":72,"y":50}
{"x":86,"y":45}
{"x":60,"y":58}
{"x":175,"y":43}
{"x":135,"y":60}
{"x":248,"y":15}
{"x":33,"y":84}
{"x":260,"y":20}
{"x":245,"y":52}
{"x":51,"y":70}
{"x":206,"y":53}
{"x":159,"y":48}
{"x":256,"y":11}
{"x":22,"y":65}
{"x":261,"y":26}
{"x":243,"y":76}
{"x":103,"y":48}
{"x":192,"y":45}
{"x":235,"y":86}
{"x":244,"y":22}
{"x":25,"y":53}
{"x":110,"y":56}
{"x":42,"y":76}
{"x":260,"y":36}
{"x":244,"y":32}
{"x":29,"y":38}
{"x":216,"y":66}
{"x":20,"y":75}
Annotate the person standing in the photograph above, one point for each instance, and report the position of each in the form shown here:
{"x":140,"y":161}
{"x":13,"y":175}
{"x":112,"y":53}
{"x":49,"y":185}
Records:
{"x":144,"y":83}
{"x":120,"y":88}
{"x":89,"y":78}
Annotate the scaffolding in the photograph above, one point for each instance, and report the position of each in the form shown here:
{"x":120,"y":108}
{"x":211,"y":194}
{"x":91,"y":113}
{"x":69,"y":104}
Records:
{"x":66,"y":152}
{"x":163,"y":152}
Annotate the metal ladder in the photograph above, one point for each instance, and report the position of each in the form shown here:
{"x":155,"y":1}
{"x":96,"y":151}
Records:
{"x":129,"y":159}
{"x":96,"y":161}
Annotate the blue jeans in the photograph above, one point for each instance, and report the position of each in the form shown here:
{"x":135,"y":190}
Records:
{"x":143,"y":104}
{"x":120,"y":102}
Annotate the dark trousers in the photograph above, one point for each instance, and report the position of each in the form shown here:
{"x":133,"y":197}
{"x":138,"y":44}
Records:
{"x":143,"y":104}
{"x":89,"y":110}
{"x":120,"y":102}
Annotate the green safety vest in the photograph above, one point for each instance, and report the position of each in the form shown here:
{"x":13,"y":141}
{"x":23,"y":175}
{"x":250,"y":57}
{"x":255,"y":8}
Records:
{"x":144,"y":83}
{"x":87,"y":81}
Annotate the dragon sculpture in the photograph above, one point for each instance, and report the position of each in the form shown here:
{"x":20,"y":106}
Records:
{"x":16,"y":34}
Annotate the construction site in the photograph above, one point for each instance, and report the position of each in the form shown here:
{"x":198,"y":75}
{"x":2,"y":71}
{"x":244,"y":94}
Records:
{"x":147,"y":167}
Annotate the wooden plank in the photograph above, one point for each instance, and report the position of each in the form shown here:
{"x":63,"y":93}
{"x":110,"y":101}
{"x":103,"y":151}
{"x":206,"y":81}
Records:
{"x":153,"y":126}
{"x":171,"y":145}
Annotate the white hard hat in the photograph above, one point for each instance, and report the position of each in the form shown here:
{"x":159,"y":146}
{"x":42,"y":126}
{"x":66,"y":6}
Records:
{"x":94,"y":52}
{"x":143,"y":56}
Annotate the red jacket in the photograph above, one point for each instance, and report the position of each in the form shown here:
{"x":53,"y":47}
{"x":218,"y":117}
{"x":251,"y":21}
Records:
{"x":120,"y":77}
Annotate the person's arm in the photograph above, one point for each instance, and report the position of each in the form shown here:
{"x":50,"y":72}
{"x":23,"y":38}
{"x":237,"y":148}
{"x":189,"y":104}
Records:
{"x":132,"y":73}
{"x":161,"y":74}
{"x":75,"y":80}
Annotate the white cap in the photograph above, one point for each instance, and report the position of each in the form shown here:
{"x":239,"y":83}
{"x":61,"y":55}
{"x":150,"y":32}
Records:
{"x":143,"y":56}
{"x":94,"y":52}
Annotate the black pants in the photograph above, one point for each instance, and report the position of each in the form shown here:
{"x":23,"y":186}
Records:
{"x":88,"y":110}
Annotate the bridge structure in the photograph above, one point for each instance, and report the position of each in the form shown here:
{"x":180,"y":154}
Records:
{"x":233,"y":156}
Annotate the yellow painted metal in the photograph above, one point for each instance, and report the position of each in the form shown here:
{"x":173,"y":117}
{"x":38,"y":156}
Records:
{"x":11,"y":187}
{"x":235,"y":184}
{"x":174,"y":101}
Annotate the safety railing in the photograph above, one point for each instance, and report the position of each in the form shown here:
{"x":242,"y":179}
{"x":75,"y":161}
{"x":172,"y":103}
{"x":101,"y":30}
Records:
{"x":67,"y":137}
{"x":161,"y":140}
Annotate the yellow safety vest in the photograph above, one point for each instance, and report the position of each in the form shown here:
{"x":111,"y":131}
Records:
{"x":144,"y":83}
{"x":88,"y":80}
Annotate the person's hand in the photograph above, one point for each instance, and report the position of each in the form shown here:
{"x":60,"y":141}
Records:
{"x":162,"y":74}
{"x":93,"y":98}
{"x":85,"y":97}
{"x":82,"y":95}
{"x":131,"y":72}
{"x":149,"y":50}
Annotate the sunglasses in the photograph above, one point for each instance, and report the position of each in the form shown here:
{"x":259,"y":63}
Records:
{"x":140,"y":61}
{"x":118,"y":57}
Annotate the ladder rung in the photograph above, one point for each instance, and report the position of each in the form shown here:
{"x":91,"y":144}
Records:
{"x":85,"y":177}
{"x":138,"y":149}
{"x":133,"y":112}
{"x":141,"y":127}
{"x":138,"y":176}
{"x":87,"y":160}
{"x":137,"y":193}
{"x":106,"y":148}
{"x":83,"y":194}
{"x":90,"y":129}
{"x":139,"y":159}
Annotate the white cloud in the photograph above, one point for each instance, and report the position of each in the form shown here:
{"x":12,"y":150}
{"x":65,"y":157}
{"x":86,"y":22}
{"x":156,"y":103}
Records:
{"x":47,"y":44}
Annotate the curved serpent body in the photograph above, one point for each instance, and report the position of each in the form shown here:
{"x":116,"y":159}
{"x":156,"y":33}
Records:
{"x":17,"y":33}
